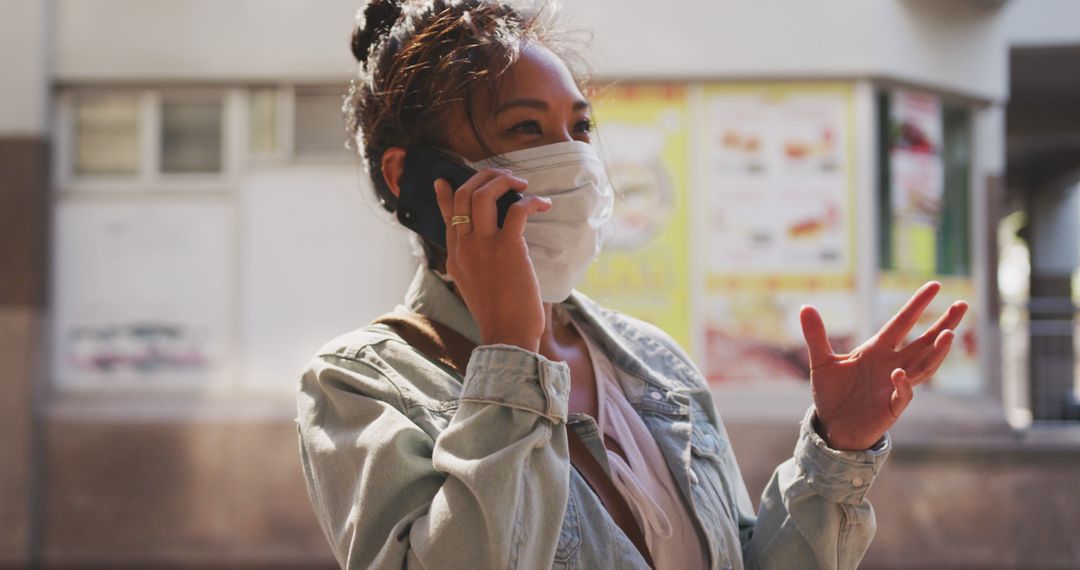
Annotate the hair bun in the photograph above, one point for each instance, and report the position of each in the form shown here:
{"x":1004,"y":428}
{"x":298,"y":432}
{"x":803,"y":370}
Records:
{"x":373,"y":21}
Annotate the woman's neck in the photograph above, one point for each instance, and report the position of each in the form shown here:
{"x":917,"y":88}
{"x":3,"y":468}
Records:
{"x":557,"y":330}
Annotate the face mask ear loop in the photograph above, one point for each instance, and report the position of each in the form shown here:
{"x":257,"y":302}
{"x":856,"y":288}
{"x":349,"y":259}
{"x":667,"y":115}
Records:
{"x":443,"y":277}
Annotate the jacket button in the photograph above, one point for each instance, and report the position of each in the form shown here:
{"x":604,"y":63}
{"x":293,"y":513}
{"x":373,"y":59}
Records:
{"x":858,"y":481}
{"x":656,"y":396}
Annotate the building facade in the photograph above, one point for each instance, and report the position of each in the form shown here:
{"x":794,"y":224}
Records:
{"x":187,"y":226}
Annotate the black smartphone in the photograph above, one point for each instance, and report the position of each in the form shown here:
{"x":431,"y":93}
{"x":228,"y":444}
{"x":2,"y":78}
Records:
{"x":418,"y":208}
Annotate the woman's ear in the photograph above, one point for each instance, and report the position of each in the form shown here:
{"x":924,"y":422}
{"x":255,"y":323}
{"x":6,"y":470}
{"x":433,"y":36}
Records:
{"x":393,"y":164}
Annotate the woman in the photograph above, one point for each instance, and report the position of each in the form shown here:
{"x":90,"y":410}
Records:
{"x":569,"y":435}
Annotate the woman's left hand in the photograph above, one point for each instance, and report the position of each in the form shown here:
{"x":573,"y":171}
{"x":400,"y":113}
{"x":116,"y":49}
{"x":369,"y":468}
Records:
{"x":859,"y":395}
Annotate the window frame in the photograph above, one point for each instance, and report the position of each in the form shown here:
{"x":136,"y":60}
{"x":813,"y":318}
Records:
{"x":149,"y":176}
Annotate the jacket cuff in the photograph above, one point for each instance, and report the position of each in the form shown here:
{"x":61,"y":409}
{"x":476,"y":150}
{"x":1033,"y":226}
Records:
{"x":514,"y":377}
{"x":839,"y":476}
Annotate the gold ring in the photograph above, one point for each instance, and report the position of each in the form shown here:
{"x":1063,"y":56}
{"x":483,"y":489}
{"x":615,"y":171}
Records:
{"x":460,"y":220}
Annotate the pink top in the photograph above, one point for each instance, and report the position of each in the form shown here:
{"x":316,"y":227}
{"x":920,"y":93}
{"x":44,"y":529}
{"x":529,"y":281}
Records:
{"x":643,"y":477}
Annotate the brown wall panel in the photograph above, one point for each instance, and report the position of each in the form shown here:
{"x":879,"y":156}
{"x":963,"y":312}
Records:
{"x":23,"y":263}
{"x":18,"y":330}
{"x":960,"y":508}
{"x":202,"y":495}
{"x":23,"y":221}
{"x":190,"y":494}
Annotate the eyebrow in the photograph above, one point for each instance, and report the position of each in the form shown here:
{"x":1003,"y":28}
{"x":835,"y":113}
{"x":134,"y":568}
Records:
{"x":536,"y":104}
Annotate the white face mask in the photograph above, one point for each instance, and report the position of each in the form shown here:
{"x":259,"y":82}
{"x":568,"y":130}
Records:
{"x":564,"y":240}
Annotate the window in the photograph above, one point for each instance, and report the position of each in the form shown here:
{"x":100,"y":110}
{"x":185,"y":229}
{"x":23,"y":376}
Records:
{"x":924,"y":153}
{"x":185,"y":138}
{"x":264,"y":122}
{"x":320,"y":123}
{"x":191,"y":135}
{"x":127,"y":139}
{"x":106,"y":135}
{"x":953,"y":237}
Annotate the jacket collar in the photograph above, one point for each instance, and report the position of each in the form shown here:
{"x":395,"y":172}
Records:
{"x":430,"y":296}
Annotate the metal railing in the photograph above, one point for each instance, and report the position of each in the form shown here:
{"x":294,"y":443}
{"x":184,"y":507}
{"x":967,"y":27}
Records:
{"x":1041,"y":343}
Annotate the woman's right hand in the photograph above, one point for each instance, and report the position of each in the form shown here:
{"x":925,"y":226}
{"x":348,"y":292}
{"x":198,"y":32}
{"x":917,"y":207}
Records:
{"x":490,"y":266}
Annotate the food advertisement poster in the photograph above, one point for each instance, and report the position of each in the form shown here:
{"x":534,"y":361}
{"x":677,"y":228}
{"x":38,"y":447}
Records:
{"x":644,"y":267}
{"x":917,"y":180}
{"x":779,"y":186}
{"x":959,"y":373}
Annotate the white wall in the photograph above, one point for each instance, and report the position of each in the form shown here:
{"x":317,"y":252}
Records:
{"x":319,"y":259}
{"x":146,"y":40}
{"x":1042,"y":22}
{"x":947,"y":45}
{"x":951,"y":45}
{"x":956,"y":46}
{"x":23,"y":67}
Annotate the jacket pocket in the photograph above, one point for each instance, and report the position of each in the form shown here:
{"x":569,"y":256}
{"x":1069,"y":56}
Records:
{"x":713,"y":503}
{"x":569,"y":536}
{"x":706,"y":467}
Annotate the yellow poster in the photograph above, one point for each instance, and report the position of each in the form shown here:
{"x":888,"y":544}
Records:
{"x":643,"y":271}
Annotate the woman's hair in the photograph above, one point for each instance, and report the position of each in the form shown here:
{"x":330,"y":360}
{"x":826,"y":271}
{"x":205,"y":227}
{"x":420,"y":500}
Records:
{"x":418,"y":58}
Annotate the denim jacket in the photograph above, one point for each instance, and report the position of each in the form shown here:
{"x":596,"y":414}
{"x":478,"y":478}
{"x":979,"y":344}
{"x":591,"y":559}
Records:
{"x":410,"y":466}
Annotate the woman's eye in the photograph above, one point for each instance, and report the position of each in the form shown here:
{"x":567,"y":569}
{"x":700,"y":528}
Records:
{"x":528,"y":127}
{"x":585,"y":126}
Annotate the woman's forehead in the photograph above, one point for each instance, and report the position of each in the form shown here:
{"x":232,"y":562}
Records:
{"x":538,"y":74}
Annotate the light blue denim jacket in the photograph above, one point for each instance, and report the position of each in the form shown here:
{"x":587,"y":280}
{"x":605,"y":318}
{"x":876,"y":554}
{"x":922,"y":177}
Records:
{"x":410,"y":466}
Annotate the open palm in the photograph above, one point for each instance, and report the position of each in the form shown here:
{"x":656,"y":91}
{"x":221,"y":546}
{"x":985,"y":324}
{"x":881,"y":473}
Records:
{"x":859,"y":395}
